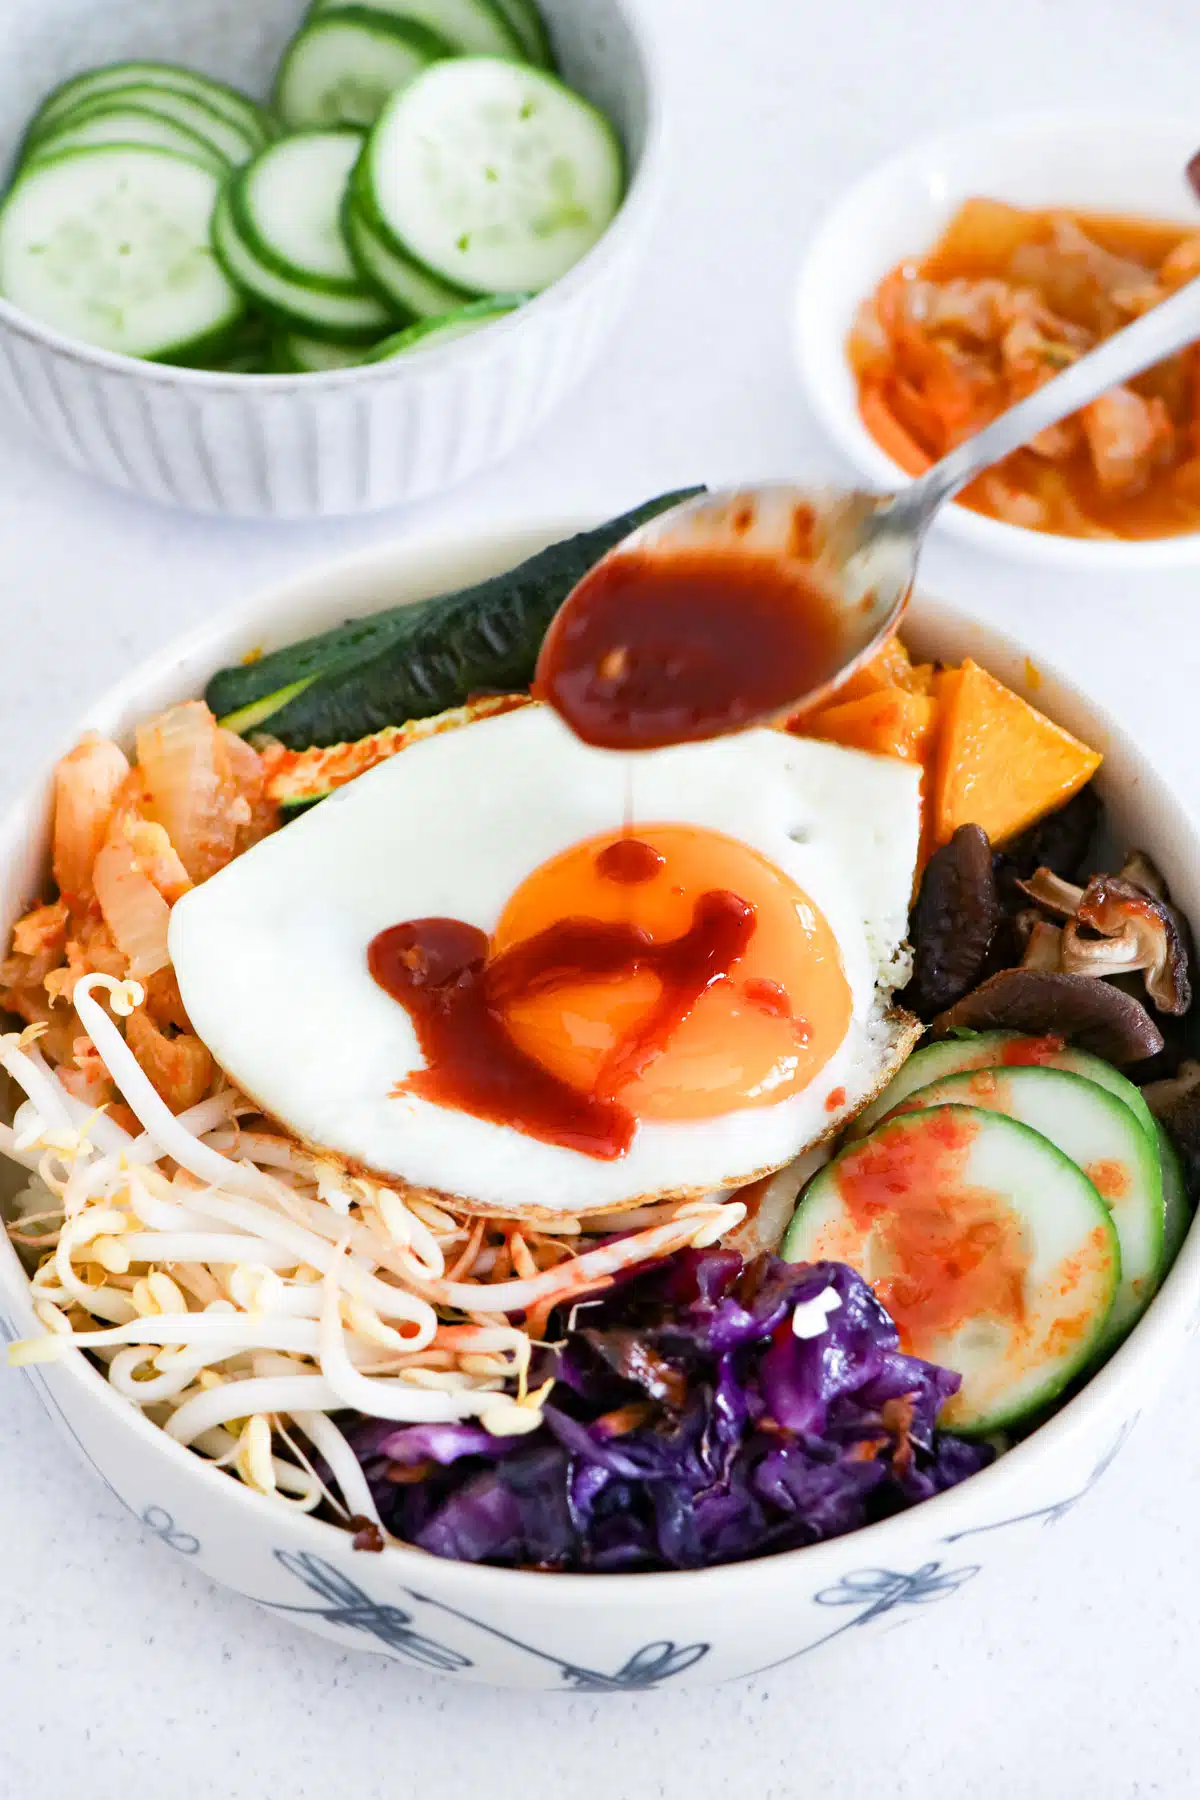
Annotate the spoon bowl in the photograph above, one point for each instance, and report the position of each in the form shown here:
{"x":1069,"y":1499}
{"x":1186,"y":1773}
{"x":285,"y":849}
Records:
{"x":722,"y":613}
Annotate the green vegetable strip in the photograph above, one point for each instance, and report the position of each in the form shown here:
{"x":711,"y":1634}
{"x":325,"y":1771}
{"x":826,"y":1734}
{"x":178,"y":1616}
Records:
{"x":413,"y":661}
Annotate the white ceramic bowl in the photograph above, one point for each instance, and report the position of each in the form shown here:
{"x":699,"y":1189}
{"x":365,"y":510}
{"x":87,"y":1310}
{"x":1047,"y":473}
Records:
{"x":1102,"y":162}
{"x":301,"y":447}
{"x":602,"y":1631}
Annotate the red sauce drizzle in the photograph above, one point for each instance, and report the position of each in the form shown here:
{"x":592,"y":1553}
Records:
{"x":629,"y":862}
{"x":955,"y":1251}
{"x":767,"y":997}
{"x":1026,"y":1052}
{"x":439,"y":971}
{"x":669,"y":646}
{"x":835,"y":1099}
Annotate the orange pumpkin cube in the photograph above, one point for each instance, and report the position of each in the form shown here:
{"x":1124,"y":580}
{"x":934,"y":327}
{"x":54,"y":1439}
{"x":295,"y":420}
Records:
{"x":1000,"y":763}
{"x":890,"y":722}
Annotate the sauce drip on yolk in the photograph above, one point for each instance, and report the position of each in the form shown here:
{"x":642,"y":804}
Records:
{"x":629,"y":861}
{"x":730,"y":1051}
{"x":663,"y":991}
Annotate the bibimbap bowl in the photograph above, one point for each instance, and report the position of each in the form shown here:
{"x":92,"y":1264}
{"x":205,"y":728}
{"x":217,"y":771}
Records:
{"x":601,"y":1632}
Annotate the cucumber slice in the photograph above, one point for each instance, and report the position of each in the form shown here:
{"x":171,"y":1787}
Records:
{"x":287,"y":206}
{"x":493,"y":175}
{"x":400,"y":280}
{"x":1103,"y":1138}
{"x":429,"y":334}
{"x":125,"y":125}
{"x":1177,"y":1207}
{"x":472,"y":27}
{"x":343,"y":68}
{"x":111,"y":246}
{"x":414,"y":661}
{"x":237,"y":108}
{"x":230,"y":142}
{"x":994,"y":1050}
{"x":530,"y":28}
{"x":342,"y":318}
{"x":992,"y":1250}
{"x":296,"y":354}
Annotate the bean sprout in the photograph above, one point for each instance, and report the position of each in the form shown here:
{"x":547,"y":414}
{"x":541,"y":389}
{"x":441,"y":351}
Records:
{"x":239,"y":1288}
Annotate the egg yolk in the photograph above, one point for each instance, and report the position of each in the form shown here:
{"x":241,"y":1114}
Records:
{"x":757,"y":1034}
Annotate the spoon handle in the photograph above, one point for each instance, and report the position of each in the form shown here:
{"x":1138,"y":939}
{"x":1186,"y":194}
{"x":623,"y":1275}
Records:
{"x":1159,"y":333}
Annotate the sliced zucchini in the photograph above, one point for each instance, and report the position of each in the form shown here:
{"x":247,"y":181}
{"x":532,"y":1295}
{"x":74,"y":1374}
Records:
{"x":82,"y":89}
{"x":126,"y":124}
{"x":234,"y":144}
{"x":471,"y":27}
{"x":287,"y":206}
{"x":430,"y":334}
{"x":1177,"y":1207}
{"x":296,"y":354}
{"x":493,"y":175}
{"x":413,"y":661}
{"x":111,"y":246}
{"x":340,"y":317}
{"x":993,"y":1252}
{"x":530,"y":28}
{"x":1098,"y":1133}
{"x":343,"y":68}
{"x":1000,"y":1049}
{"x":400,"y":280}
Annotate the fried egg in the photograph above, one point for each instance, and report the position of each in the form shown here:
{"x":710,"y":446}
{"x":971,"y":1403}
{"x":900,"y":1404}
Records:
{"x":502,"y":825}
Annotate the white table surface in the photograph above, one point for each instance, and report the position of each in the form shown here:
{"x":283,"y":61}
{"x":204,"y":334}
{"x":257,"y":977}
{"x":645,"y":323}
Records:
{"x":1072,"y":1671}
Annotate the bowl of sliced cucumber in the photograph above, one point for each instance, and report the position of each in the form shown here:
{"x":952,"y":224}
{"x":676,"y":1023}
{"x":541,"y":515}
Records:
{"x":281,"y":263}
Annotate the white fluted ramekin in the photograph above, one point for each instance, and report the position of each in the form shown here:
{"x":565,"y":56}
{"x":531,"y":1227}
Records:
{"x":599,"y":1632}
{"x":314,"y":446}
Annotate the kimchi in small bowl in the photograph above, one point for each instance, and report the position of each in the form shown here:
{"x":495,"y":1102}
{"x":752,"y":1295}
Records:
{"x":957,"y":278}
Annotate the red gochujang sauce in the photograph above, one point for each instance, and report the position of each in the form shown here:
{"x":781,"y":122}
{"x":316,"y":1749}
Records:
{"x":439,"y":971}
{"x":670,"y":646}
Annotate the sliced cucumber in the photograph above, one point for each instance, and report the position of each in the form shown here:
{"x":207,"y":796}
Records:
{"x":1103,"y":1138}
{"x":1000,"y":1049}
{"x":472,"y":27}
{"x":236,"y":107}
{"x":343,"y":68}
{"x":287,"y":205}
{"x":530,"y":28}
{"x":296,"y":354}
{"x":111,"y":246}
{"x":493,"y":175}
{"x":398,"y":278}
{"x":231,"y":142}
{"x":992,"y":1250}
{"x":340,"y":317}
{"x":428,"y":334}
{"x":1177,"y":1208}
{"x":125,"y":125}
{"x":243,"y":362}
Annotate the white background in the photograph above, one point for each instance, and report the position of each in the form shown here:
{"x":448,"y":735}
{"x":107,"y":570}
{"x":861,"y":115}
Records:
{"x":1072,"y":1671}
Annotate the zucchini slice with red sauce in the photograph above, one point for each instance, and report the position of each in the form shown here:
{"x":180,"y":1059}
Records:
{"x":993,"y":1252}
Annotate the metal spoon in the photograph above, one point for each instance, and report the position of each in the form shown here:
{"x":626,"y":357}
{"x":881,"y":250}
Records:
{"x":867,"y":545}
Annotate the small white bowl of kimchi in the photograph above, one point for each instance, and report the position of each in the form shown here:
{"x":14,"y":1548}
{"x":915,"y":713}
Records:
{"x":511,"y":1626}
{"x":961,"y":275}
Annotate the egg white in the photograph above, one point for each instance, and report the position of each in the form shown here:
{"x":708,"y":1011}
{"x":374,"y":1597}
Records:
{"x":271,"y":953}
